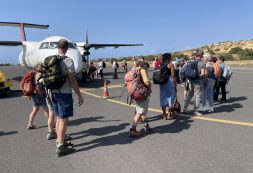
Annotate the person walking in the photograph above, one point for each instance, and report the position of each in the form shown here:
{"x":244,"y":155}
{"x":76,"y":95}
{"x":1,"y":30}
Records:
{"x":101,"y":67}
{"x":124,"y":65}
{"x":208,"y":85}
{"x":38,"y":101}
{"x":156,"y":62}
{"x":115,"y":66}
{"x":61,"y":98}
{"x":221,"y":83}
{"x":168,"y":90}
{"x":196,"y":83}
{"x":141,"y":106}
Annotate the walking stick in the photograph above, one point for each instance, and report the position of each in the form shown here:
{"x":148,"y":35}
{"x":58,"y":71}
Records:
{"x":122,"y":92}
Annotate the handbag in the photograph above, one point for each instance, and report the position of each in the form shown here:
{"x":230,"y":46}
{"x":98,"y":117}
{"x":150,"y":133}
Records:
{"x":176,"y":107}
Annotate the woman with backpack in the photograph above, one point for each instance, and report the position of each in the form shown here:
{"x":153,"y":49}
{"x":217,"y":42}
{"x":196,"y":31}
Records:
{"x":208,"y":85}
{"x":139,"y":93}
{"x":39,"y":100}
{"x":168,"y":89}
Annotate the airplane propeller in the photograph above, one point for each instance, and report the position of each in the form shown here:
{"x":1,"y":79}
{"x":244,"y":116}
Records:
{"x":86,"y":46}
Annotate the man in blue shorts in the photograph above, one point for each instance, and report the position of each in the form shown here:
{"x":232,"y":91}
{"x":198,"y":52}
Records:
{"x":62,"y":101}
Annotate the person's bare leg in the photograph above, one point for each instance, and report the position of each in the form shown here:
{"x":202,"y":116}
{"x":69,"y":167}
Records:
{"x":46,"y":111}
{"x":164,"y":113}
{"x":33,"y":114}
{"x":61,"y":130}
{"x":136,"y":120}
{"x":51,"y":120}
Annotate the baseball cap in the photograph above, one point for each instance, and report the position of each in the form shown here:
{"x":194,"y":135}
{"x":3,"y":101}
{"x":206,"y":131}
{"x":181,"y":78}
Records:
{"x":63,"y":43}
{"x":199,"y":52}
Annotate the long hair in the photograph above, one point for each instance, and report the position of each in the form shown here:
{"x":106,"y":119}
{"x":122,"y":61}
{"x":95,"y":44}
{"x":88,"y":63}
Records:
{"x":166,"y":57}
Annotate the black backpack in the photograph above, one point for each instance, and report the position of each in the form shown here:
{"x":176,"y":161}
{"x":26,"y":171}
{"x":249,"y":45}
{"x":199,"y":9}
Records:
{"x":104,"y":64}
{"x":52,"y":75}
{"x":191,"y":70}
{"x":160,"y":74}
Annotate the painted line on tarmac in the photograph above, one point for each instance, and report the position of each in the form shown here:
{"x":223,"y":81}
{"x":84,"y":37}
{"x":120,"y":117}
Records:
{"x":159,"y":111}
{"x":109,"y":86}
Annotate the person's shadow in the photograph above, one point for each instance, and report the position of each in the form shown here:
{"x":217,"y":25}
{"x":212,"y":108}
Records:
{"x":229,"y":105}
{"x":2,"y":133}
{"x":99,"y":131}
{"x":179,"y":124}
{"x":80,"y":121}
{"x":118,"y":139}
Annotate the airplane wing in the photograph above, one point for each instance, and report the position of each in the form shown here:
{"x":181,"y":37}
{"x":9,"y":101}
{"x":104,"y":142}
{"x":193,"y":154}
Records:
{"x":98,"y":46}
{"x":10,"y":43}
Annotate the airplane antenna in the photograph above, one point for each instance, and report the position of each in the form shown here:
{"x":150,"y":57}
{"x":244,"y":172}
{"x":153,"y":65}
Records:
{"x":87,"y":39}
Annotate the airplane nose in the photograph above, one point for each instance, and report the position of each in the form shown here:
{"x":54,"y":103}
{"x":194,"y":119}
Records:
{"x":77,"y":59}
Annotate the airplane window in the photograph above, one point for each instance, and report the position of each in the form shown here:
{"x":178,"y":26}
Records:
{"x":53,"y":45}
{"x":44,"y":45}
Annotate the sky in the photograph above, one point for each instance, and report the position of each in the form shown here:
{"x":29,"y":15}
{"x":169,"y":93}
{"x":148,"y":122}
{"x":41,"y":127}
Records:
{"x":162,"y":25}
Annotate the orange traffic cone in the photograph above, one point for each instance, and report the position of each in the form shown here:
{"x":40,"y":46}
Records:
{"x":106,"y":93}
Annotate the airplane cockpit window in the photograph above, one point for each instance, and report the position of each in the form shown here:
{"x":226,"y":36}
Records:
{"x":44,"y":45}
{"x":53,"y":45}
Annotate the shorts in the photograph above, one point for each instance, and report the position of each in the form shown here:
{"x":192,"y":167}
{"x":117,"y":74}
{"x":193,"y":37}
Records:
{"x":141,"y":107}
{"x":39,"y":101}
{"x":62,"y":105}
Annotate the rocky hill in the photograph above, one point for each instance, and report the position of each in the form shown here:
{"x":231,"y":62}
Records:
{"x":223,"y":47}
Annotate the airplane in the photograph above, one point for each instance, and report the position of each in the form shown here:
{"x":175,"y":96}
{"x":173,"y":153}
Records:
{"x":35,"y":52}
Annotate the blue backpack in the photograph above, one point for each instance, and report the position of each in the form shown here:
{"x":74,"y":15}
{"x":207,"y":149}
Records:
{"x":191,"y":70}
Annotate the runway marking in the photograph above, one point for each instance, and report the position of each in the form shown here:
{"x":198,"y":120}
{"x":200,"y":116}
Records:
{"x":159,"y":111}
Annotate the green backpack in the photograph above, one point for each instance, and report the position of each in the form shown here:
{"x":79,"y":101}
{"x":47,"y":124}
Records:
{"x":52,"y":74}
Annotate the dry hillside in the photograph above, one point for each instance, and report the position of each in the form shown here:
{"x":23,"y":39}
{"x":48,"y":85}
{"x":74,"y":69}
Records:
{"x":223,"y":47}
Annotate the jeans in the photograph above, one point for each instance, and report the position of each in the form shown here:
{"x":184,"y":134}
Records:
{"x":208,"y":92}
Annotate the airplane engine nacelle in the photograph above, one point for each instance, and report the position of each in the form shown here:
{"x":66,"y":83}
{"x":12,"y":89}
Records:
{"x":86,"y":53}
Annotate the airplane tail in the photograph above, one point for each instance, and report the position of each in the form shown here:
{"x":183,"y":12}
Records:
{"x":22,"y":27}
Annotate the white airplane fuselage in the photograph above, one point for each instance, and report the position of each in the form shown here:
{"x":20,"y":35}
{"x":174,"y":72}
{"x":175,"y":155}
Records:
{"x":34,"y":53}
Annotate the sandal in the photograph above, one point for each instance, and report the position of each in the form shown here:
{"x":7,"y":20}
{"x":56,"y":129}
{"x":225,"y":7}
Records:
{"x":165,"y":116}
{"x":170,"y":116}
{"x":31,"y":127}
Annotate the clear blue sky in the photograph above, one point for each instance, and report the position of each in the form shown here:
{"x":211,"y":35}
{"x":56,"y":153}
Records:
{"x":162,"y":25}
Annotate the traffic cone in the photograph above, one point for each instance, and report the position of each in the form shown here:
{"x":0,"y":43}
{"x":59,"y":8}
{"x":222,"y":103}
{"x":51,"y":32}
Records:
{"x":106,"y":93}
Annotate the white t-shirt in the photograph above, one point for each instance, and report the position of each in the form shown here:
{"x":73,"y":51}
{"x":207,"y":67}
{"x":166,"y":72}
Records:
{"x":100,"y":65}
{"x":114,"y":65}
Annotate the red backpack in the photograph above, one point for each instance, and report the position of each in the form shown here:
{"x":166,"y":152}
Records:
{"x":135,"y":87}
{"x":27,"y":85}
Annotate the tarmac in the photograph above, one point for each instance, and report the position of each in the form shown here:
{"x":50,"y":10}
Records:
{"x":220,"y":142}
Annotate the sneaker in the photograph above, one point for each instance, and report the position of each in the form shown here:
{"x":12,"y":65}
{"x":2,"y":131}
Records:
{"x":202,"y":108}
{"x":197,"y":113}
{"x":63,"y":149}
{"x":134,"y":133}
{"x":147,"y":129}
{"x":67,"y":138}
{"x":67,"y":143}
{"x":210,"y":109}
{"x":51,"y":135}
{"x":31,"y":127}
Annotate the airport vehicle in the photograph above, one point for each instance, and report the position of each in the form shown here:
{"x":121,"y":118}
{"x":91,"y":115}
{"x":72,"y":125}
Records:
{"x":35,"y":52}
{"x":5,"y":83}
